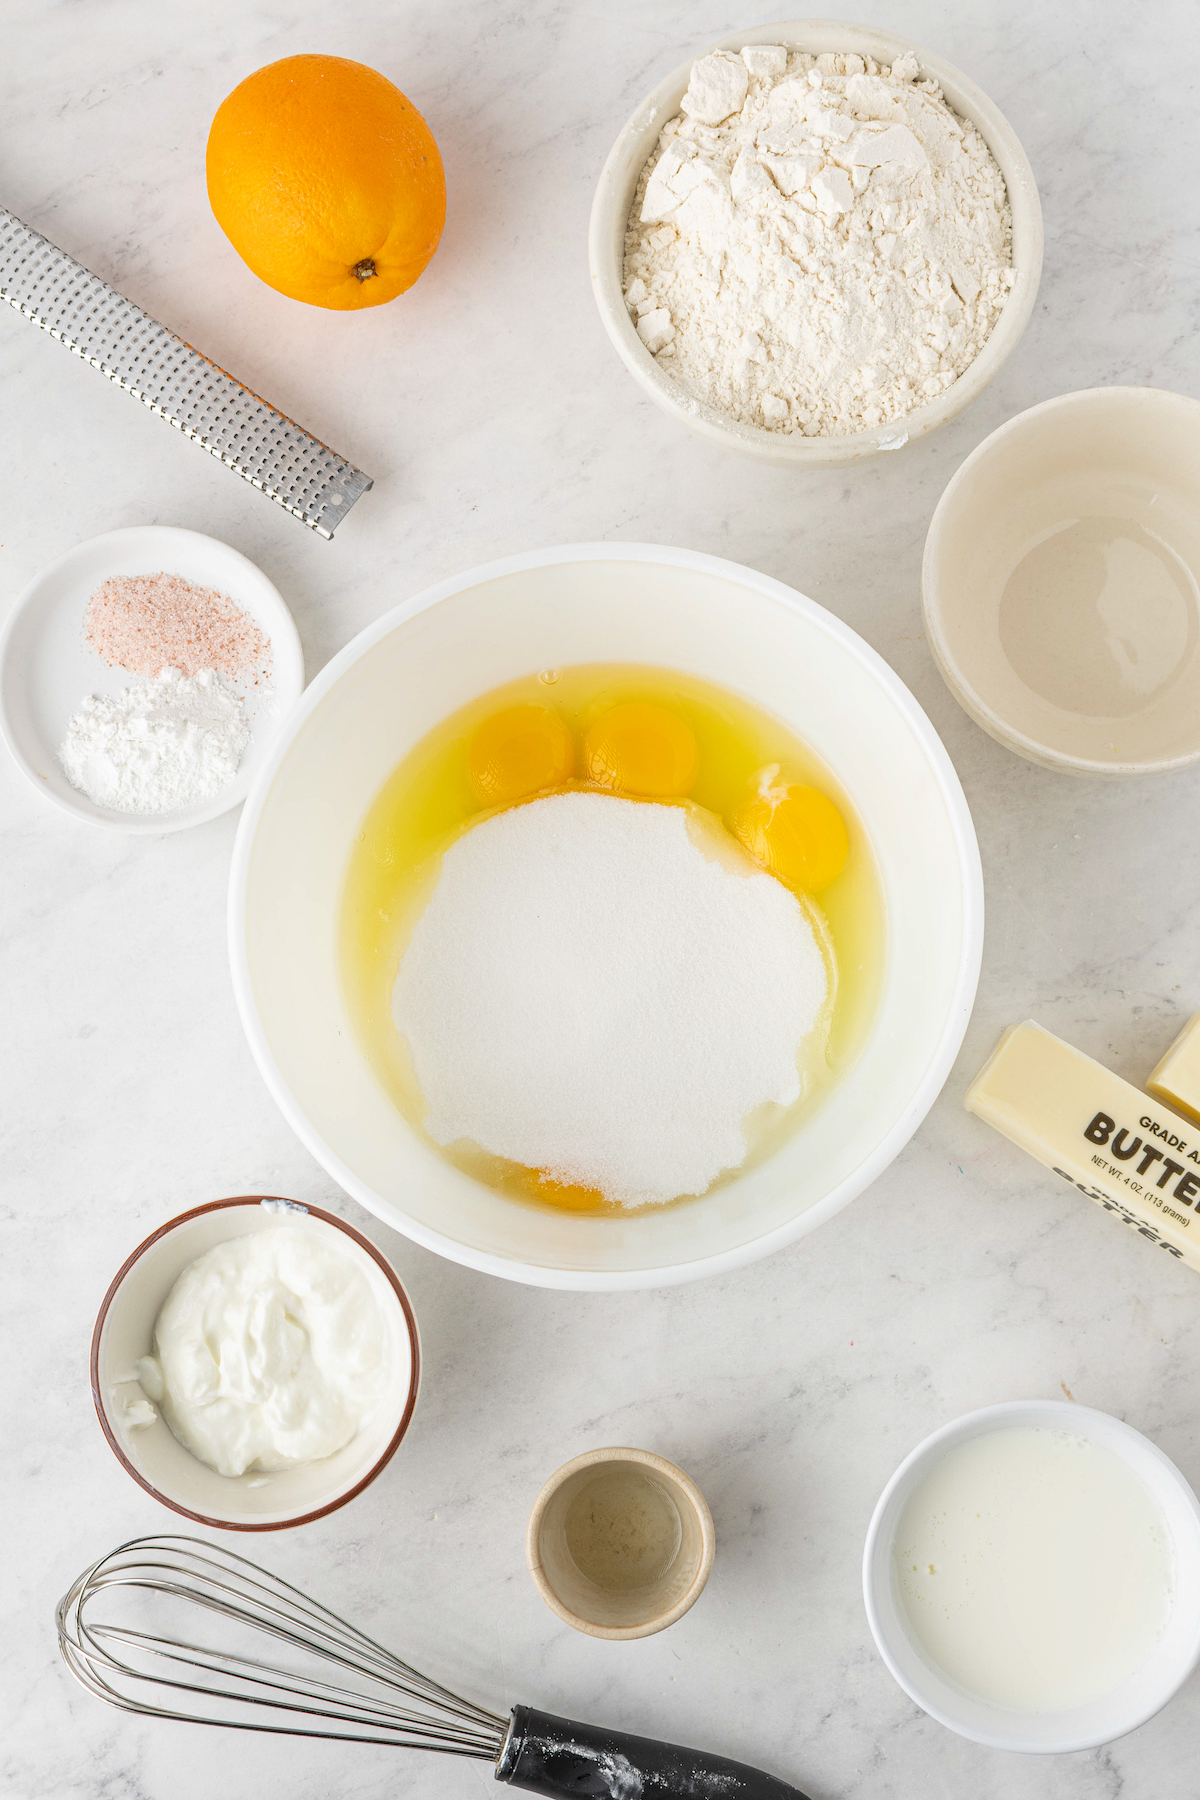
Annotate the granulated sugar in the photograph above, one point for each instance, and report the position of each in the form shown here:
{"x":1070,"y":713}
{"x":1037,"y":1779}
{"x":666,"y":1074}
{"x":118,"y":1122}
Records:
{"x":591,"y":994}
{"x":819,"y":244}
{"x":147,"y":623}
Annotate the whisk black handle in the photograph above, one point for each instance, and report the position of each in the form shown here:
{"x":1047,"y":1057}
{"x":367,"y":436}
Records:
{"x":565,"y":1760}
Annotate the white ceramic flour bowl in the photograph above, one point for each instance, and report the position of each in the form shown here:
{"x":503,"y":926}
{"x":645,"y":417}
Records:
{"x":1099,"y":675}
{"x":614,"y":198}
{"x":1083,"y":1727}
{"x":580,"y":604}
{"x":157,"y":1461}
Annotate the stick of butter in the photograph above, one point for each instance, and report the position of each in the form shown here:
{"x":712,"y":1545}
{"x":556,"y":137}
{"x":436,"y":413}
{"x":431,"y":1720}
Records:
{"x":1177,"y":1077}
{"x":1138,"y":1160}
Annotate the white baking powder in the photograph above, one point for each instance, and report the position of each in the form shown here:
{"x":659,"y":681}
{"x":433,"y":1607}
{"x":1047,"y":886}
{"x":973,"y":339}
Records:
{"x":157,"y":746}
{"x":819,"y":244}
{"x":593,"y":992}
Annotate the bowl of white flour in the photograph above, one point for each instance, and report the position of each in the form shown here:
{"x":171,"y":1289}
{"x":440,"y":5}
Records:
{"x":815,"y":242}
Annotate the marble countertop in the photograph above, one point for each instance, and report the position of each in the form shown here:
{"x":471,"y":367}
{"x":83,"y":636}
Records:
{"x":495,"y":417}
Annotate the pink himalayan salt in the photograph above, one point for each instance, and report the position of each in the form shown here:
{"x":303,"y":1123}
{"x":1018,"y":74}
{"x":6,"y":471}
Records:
{"x":147,"y":623}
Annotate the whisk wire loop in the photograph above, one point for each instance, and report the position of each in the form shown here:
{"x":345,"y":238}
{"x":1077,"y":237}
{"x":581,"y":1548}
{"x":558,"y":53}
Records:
{"x":326,"y":1632}
{"x":139,"y":1669}
{"x":221,"y":1663}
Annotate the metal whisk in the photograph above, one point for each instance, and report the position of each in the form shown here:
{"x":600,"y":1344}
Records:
{"x":143,"y":1671}
{"x":117,"y":1630}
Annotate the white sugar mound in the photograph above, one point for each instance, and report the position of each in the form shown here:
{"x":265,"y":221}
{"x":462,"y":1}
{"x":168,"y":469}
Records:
{"x":590,"y":994}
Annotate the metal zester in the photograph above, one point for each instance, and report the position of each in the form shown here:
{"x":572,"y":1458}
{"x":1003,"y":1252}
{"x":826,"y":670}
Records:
{"x":265,"y":448}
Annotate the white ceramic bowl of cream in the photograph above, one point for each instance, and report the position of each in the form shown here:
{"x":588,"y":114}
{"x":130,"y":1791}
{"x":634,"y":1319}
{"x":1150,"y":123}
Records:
{"x":1111,"y":1715}
{"x":553,"y":608}
{"x":157,"y":1461}
{"x":614,"y":199}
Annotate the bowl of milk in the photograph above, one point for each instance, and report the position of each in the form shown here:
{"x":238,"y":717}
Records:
{"x":1032,"y":1577}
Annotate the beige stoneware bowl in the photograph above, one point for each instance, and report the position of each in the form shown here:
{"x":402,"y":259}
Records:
{"x":1061,"y":583}
{"x":633,"y":1608}
{"x":614,"y":198}
{"x":157,"y":1461}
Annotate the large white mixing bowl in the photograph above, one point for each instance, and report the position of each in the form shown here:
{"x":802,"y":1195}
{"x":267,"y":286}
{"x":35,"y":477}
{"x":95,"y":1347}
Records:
{"x":600,"y":603}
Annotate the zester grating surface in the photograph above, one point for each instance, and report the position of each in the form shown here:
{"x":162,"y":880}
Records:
{"x":279,"y":457}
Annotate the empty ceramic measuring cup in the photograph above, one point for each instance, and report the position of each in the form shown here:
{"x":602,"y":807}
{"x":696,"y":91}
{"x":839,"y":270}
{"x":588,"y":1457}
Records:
{"x":620,"y":1543}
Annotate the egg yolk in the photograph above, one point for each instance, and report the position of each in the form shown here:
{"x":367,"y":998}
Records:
{"x":570,"y":1197}
{"x":795,"y":832}
{"x":518,"y":752}
{"x":639,"y":748}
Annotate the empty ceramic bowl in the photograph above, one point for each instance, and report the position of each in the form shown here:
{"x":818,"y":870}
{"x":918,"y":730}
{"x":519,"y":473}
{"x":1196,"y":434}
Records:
{"x":614,"y":198}
{"x":156,"y":1460}
{"x":620,"y":1543}
{"x":1061,"y":583}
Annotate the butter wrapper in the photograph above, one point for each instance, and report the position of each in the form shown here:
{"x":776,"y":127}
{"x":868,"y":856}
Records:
{"x":1133,"y":1156}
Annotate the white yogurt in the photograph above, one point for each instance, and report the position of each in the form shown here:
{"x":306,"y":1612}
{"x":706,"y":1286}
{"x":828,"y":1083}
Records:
{"x":270,"y":1352}
{"x":1034,"y":1569}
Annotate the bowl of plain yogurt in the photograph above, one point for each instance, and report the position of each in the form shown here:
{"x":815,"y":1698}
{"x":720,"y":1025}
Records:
{"x":1032,"y":1577}
{"x":255,"y":1364}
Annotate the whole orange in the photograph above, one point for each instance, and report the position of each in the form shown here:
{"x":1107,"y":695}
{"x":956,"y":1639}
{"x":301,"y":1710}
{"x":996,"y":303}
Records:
{"x":326,"y":181}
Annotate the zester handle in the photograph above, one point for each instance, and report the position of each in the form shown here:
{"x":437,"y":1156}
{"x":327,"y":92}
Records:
{"x":564,"y":1760}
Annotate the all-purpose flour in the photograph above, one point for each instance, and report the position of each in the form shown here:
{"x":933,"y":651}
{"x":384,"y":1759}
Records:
{"x":819,"y":245}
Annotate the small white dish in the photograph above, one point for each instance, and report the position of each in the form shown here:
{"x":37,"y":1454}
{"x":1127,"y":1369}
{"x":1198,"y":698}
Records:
{"x":1089,"y":663}
{"x":1079,"y":1728}
{"x":614,"y":198}
{"x":156,"y":1460}
{"x":47,"y":667}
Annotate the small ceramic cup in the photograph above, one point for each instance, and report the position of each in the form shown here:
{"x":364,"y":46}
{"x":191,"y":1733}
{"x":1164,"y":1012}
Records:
{"x":156,"y":1460}
{"x":620,"y":1543}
